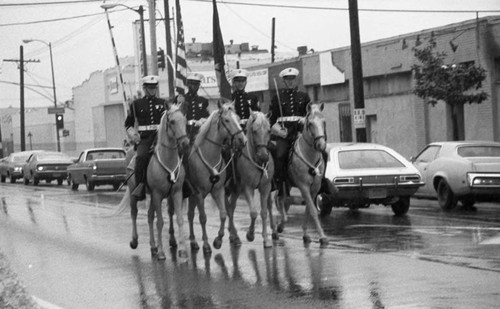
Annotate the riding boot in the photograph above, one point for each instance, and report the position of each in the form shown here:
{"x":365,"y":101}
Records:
{"x":140,"y":192}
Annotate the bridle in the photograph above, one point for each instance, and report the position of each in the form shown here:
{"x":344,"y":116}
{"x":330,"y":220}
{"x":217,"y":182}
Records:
{"x":232,"y":135}
{"x":169,"y":125}
{"x":307,"y":127}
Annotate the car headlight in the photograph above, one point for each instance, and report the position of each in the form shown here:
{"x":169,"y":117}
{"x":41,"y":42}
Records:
{"x":39,"y":168}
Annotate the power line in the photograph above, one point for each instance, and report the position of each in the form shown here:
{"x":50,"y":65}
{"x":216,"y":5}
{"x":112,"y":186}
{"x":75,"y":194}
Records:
{"x":49,"y":3}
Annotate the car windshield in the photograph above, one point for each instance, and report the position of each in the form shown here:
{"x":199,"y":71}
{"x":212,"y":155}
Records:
{"x":52,"y":156}
{"x":357,"y":159}
{"x":479,"y":151}
{"x":20,"y":158}
{"x":113,"y":154}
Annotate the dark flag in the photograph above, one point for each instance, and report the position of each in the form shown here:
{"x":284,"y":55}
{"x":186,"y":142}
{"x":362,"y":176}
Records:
{"x":218,"y":46}
{"x":180,"y":59}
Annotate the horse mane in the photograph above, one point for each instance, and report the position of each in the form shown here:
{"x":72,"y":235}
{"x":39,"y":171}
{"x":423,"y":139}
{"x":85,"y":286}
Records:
{"x":204,"y":130}
{"x":256,"y":117}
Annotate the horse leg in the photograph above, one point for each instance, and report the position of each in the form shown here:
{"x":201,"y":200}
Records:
{"x":269,"y":207}
{"x":203,"y":221}
{"x":191,"y":207}
{"x":218,"y":196}
{"x":313,"y":212}
{"x":249,"y":192}
{"x":156,"y":199}
{"x":177,"y":204}
{"x":280,"y":204}
{"x":171,"y":230}
{"x":133,"y":214}
{"x":151,"y":218}
{"x":234,"y":239}
{"x":264,"y":197}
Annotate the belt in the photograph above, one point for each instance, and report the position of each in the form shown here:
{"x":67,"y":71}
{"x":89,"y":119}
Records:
{"x":290,"y":118}
{"x":148,"y":128}
{"x":191,"y":122}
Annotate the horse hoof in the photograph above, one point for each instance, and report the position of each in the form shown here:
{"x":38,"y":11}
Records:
{"x":217,"y":242}
{"x":173,"y":243}
{"x":306,"y":239}
{"x":133,"y":243}
{"x":161,"y":256}
{"x":207,"y":250}
{"x":194,"y":246}
{"x":250,"y":236}
{"x":154,"y":251}
{"x":267,"y":243}
{"x":323,"y":242}
{"x":280,"y":228}
{"x":235,"y":241}
{"x":275,"y":236}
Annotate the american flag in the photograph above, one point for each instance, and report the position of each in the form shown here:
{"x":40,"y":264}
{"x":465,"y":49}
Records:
{"x":180,"y":59}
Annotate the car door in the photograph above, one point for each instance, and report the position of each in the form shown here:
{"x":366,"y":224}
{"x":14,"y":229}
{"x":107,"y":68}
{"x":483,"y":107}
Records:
{"x":76,"y":170}
{"x":421,"y":162}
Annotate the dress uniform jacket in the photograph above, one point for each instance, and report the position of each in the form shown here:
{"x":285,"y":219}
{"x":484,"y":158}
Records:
{"x":148,"y":111}
{"x":293,"y":103}
{"x":243,"y":103}
{"x":194,"y":108}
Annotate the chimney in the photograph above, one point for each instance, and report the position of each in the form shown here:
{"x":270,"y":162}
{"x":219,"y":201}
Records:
{"x":302,"y":50}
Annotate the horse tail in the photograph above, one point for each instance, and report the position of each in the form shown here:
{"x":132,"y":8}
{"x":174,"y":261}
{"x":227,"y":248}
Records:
{"x":124,"y":203}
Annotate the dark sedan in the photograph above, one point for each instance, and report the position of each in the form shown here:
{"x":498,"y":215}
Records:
{"x":46,"y":166}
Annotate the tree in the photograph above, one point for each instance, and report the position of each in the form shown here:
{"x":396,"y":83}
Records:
{"x":454,"y":84}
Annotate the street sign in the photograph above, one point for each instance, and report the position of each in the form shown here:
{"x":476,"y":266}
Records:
{"x":56,"y":110}
{"x":359,"y":118}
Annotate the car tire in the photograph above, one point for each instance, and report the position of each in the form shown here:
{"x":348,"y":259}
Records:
{"x":402,"y":206}
{"x":26,"y":181}
{"x":60,"y":181}
{"x":74,"y":186}
{"x":323,"y":206}
{"x":35,"y":181}
{"x":446,"y":198}
{"x":12,"y":179}
{"x":90,"y":185}
{"x":2,"y":178}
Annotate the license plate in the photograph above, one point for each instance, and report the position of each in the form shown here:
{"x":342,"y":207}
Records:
{"x":377,"y":193}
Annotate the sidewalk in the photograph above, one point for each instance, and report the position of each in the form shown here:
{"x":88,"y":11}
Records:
{"x":12,"y":293}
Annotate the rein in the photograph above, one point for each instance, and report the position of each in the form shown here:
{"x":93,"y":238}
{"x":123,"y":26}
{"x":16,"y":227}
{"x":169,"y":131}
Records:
{"x":313,"y":169}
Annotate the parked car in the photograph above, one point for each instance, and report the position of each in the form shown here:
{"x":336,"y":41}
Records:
{"x":465,"y":171}
{"x":367,"y":173}
{"x":12,"y":165}
{"x":98,"y":166}
{"x":46,"y":166}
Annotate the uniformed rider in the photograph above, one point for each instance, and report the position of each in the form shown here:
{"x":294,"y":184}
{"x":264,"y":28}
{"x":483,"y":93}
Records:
{"x":287,"y":111}
{"x":244,"y":102}
{"x":195,"y":107}
{"x":142,"y":121}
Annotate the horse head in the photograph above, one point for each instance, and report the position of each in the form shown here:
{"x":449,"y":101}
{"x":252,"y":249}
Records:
{"x":258,"y":136}
{"x":314,"y":127}
{"x":229,"y":126}
{"x":174,"y":126}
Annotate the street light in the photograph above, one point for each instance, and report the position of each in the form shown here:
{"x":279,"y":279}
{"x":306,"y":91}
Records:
{"x":140,"y":11}
{"x":53,"y":83}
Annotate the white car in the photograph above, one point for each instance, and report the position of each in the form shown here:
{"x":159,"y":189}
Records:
{"x":465,"y":171}
{"x":367,"y":173}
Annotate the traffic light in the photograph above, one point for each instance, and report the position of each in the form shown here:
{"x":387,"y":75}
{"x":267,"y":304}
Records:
{"x":59,"y":121}
{"x":161,"y":59}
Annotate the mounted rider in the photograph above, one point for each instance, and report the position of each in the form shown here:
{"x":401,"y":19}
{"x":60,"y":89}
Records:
{"x":141,"y":124}
{"x":244,"y":102}
{"x":287,"y":111}
{"x":195,"y":107}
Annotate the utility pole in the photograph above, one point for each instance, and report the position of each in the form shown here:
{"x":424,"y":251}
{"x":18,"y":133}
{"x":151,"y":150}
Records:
{"x":21,"y":62}
{"x":272,"y":40}
{"x":170,"y":69}
{"x":152,"y":31}
{"x":357,"y":74}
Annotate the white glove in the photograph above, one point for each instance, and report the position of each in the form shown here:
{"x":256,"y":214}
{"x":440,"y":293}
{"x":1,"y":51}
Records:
{"x":200,"y":122}
{"x":278,"y":130}
{"x":133,"y":135}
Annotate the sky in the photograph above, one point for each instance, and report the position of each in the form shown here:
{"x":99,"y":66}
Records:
{"x":78,"y":32}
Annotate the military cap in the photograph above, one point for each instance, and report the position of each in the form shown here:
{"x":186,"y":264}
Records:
{"x":289,"y":72}
{"x":150,"y":80}
{"x":239,"y":73}
{"x":197,"y":77}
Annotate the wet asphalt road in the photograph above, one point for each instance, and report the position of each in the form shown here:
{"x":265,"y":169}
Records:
{"x":71,"y":252}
